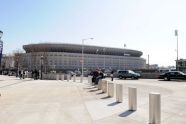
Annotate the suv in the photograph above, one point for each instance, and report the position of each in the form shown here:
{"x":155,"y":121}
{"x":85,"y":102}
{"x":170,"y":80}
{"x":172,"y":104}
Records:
{"x":127,"y":74}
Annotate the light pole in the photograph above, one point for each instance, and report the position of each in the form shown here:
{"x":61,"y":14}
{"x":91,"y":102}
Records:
{"x":124,"y":56}
{"x":97,"y":63}
{"x":148,"y":62}
{"x":104,"y":57}
{"x":82,"y":57}
{"x":41,"y":67}
{"x":17,"y":66}
{"x":1,"y":46}
{"x":176,"y":34}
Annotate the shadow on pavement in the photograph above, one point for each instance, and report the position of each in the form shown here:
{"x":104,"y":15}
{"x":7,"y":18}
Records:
{"x":126,"y":113}
{"x":93,"y":90}
{"x":90,"y":87}
{"x":100,"y":93}
{"x":173,"y":80}
{"x":113,"y":104}
{"x":106,"y":97}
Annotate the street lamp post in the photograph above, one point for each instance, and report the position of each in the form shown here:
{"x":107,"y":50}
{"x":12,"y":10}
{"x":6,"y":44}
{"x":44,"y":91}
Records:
{"x":82,"y":57}
{"x":176,"y":34}
{"x":124,"y":56}
{"x":41,"y":67}
{"x":97,"y":62}
{"x":1,"y":46}
{"x":148,"y":62}
{"x":104,"y":57}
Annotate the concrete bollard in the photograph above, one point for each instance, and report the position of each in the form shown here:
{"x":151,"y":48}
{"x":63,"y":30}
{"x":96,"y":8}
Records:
{"x":57,"y":77}
{"x":132,"y":96}
{"x":81,"y":79}
{"x":154,"y":108}
{"x":99,"y":84}
{"x":110,"y":89}
{"x":90,"y":80}
{"x":62,"y":77}
{"x":104,"y":86}
{"x":119,"y":93}
{"x":74,"y":78}
{"x":68,"y":77}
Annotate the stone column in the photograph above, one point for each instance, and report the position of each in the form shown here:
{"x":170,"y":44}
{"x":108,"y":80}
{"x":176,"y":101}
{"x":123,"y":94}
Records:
{"x":81,"y":79}
{"x":68,"y":77}
{"x":57,"y":77}
{"x":110,"y":89}
{"x":90,"y":80}
{"x":99,"y":84}
{"x":74,"y":78}
{"x":104,"y":86}
{"x":119,"y":93}
{"x":132,"y":94}
{"x":154,"y":108}
{"x":62,"y":77}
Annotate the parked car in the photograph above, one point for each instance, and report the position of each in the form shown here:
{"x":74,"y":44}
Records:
{"x":123,"y":74}
{"x":107,"y":73}
{"x":70,"y":72}
{"x":78,"y":73}
{"x":172,"y":75}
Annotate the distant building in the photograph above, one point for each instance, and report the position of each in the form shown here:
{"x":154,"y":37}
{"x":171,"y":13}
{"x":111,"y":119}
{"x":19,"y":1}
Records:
{"x":181,"y":65}
{"x":7,"y":62}
{"x":153,"y":66}
{"x":69,"y":57}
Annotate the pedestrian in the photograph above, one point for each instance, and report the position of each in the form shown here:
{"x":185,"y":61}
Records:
{"x":100,"y":76}
{"x":35,"y":74}
{"x":20,"y":76}
{"x":23,"y":74}
{"x":95,"y":74}
{"x":112,"y":75}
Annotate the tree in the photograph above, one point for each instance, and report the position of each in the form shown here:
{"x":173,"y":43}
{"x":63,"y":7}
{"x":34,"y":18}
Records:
{"x":18,"y":56}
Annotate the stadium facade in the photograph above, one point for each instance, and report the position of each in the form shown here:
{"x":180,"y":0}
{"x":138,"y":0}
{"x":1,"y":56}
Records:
{"x":65,"y":56}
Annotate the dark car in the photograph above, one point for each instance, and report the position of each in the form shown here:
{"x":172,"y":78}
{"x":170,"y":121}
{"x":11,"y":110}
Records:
{"x":123,"y":74}
{"x":71,"y":73}
{"x":172,"y":75}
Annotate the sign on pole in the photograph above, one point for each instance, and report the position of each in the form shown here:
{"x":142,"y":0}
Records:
{"x":176,"y":32}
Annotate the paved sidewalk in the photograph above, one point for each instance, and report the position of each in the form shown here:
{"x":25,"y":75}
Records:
{"x":60,"y":102}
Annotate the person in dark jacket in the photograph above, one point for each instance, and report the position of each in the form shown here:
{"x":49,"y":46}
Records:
{"x":100,"y":76}
{"x":20,"y":76}
{"x":95,"y":74}
{"x":112,"y":75}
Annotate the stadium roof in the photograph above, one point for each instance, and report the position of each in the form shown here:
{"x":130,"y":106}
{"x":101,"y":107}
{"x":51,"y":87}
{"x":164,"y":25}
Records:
{"x":77,"y":48}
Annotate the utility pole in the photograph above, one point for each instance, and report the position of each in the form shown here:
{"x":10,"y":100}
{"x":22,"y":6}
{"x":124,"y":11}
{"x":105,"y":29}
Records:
{"x":148,"y":62}
{"x":82,"y":58}
{"x":1,"y":46}
{"x":176,"y":34}
{"x":104,"y":57}
{"x":124,"y":57}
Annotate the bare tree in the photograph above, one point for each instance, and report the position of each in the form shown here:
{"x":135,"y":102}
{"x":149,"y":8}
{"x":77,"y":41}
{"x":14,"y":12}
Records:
{"x":18,"y":56}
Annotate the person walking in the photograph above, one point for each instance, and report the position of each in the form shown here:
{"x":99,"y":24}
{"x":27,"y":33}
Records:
{"x":20,"y":76}
{"x":112,"y":75}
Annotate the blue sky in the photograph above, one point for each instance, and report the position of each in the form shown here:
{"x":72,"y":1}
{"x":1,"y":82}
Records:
{"x":145,"y":25}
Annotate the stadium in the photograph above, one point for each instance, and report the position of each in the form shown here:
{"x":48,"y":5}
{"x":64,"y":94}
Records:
{"x":64,"y":56}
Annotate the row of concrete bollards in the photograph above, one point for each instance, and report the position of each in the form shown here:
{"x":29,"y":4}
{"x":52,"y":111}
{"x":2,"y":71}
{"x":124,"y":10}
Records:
{"x":68,"y":77}
{"x":154,"y":99}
